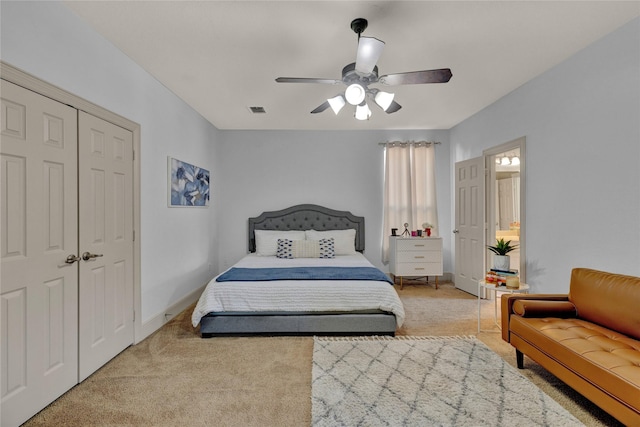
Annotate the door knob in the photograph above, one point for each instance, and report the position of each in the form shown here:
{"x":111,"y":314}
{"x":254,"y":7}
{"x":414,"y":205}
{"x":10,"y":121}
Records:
{"x":87,"y":256}
{"x":72,"y":258}
{"x":456,"y":231}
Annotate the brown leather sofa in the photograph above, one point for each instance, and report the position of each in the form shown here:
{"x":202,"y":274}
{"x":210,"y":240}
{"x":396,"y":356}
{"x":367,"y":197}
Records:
{"x":588,"y":338}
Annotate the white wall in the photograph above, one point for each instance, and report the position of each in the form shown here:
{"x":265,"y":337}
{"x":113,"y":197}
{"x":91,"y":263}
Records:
{"x":48,"y":41}
{"x":272,"y":170}
{"x":582,"y":124}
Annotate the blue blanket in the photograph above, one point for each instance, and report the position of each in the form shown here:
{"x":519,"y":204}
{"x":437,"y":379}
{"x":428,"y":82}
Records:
{"x":235,"y":274}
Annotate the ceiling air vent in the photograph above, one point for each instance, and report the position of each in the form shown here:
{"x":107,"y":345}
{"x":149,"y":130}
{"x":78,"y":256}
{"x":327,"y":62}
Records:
{"x":257,"y":110}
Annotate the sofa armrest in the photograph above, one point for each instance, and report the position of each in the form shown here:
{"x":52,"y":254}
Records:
{"x":508,"y":300}
{"x":544,"y":308}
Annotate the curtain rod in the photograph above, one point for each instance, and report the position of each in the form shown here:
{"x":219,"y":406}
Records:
{"x":409,"y":142}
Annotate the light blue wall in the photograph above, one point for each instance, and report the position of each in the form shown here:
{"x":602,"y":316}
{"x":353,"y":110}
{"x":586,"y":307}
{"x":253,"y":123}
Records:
{"x":272,"y":170}
{"x":251,"y":171}
{"x":581,"y":120}
{"x":48,"y":41}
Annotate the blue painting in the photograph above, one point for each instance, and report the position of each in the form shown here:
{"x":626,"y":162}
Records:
{"x":189,"y":184}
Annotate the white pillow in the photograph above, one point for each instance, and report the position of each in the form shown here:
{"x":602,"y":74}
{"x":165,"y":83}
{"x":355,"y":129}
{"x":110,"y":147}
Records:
{"x":345,"y":240}
{"x":267,"y":240}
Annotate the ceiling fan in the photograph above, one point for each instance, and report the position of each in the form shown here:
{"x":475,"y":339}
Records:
{"x":358,"y":75}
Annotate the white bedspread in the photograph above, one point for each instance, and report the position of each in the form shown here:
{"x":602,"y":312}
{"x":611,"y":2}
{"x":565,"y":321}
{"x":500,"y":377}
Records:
{"x":300,"y":296}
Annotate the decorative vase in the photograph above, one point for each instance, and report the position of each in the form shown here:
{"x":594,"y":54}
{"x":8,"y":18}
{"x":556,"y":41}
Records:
{"x":428,"y":231}
{"x":501,"y":262}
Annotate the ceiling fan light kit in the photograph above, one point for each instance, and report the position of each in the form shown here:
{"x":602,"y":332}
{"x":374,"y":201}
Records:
{"x":355,"y":94}
{"x":363,"y":112}
{"x":358,"y":75}
{"x":336,"y":103}
{"x":384,"y":99}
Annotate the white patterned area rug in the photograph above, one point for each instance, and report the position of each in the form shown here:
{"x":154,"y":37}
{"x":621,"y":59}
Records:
{"x":423,"y":381}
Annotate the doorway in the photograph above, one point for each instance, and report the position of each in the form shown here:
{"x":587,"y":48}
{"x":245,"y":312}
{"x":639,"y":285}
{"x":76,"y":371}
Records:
{"x":505,"y":200}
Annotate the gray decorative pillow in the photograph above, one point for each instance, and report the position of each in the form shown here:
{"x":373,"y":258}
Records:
{"x":285,"y":248}
{"x":323,"y":248}
{"x":327,"y":248}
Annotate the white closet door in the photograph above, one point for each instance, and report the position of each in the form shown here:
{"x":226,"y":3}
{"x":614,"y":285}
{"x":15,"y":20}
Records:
{"x":106,"y":235}
{"x":38,"y":289}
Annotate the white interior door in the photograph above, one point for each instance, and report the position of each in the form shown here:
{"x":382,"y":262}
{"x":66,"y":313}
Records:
{"x":469,"y":224}
{"x":38,"y":289}
{"x":106,"y":241}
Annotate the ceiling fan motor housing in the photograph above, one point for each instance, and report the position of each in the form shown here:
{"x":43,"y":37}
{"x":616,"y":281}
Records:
{"x":358,"y":25}
{"x":350,"y":75}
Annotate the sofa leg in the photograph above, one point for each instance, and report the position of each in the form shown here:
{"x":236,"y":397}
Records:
{"x":520,"y":359}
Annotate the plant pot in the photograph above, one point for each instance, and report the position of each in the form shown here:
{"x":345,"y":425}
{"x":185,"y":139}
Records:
{"x":501,"y":262}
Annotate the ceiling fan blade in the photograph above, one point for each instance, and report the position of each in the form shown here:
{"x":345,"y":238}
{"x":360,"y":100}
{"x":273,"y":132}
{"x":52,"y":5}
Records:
{"x":369,"y":51}
{"x":307,"y":80}
{"x":442,"y":75}
{"x":321,"y":107}
{"x":393,"y":107}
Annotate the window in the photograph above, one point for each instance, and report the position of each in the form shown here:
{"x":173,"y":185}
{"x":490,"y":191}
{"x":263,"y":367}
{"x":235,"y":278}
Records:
{"x":409,"y":189}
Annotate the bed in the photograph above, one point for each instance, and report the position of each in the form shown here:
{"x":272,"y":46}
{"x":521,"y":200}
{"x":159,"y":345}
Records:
{"x":305,"y":274}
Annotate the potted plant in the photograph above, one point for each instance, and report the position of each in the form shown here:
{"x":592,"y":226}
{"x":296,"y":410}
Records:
{"x":501,"y":258}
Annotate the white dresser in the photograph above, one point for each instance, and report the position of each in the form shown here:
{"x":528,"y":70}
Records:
{"x":415,"y":257}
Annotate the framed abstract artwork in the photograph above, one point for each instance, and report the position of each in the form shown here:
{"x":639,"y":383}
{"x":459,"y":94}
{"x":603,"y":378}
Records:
{"x":189,"y":185}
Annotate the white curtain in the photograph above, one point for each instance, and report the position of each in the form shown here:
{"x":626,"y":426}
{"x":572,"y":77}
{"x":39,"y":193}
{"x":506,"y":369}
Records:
{"x":409,"y":189}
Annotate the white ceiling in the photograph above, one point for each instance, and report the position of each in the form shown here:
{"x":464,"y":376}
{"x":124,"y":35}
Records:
{"x":221,"y":57}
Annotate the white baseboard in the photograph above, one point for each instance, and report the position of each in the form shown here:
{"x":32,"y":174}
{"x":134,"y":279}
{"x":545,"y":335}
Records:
{"x":156,"y":322}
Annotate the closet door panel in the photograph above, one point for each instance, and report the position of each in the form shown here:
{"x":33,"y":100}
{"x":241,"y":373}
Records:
{"x":106,"y":233}
{"x":38,"y":288}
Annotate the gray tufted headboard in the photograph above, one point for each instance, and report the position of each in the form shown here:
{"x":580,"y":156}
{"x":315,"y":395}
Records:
{"x":306,"y":217}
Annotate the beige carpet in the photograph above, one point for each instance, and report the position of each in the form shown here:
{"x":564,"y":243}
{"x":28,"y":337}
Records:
{"x":176,"y":378}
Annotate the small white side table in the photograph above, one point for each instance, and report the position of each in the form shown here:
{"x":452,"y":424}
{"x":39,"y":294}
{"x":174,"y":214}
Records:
{"x":523,"y":289}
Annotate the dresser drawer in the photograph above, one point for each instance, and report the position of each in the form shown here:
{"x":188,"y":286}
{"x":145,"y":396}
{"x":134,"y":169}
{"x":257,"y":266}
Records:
{"x":419,"y":256}
{"x":424,"y":244}
{"x":418,"y":269}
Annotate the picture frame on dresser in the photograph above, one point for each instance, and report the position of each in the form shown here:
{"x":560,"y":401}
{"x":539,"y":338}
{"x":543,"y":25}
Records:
{"x":415,"y":257}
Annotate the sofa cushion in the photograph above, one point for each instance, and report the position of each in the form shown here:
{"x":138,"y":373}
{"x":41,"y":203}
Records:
{"x":603,"y":357}
{"x":610,"y":300}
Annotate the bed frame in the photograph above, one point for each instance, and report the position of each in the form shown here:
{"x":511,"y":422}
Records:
{"x":301,"y":217}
